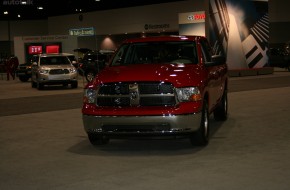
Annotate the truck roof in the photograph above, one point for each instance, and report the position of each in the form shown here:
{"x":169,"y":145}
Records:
{"x":163,"y":38}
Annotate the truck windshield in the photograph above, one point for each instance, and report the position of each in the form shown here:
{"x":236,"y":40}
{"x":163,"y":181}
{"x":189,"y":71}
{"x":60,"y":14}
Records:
{"x":156,"y":53}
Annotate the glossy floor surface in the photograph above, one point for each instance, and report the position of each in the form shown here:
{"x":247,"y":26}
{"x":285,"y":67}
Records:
{"x":43,"y":144}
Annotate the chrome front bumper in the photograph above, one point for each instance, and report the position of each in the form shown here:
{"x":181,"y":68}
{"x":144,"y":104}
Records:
{"x":142,"y":125}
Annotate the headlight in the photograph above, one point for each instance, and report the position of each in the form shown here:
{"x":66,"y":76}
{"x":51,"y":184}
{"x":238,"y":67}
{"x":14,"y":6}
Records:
{"x":188,"y":94}
{"x":90,"y":96}
{"x":43,"y":71}
{"x":72,"y":70}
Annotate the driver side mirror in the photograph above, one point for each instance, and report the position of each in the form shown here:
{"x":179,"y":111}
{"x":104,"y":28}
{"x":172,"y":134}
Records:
{"x":218,"y":59}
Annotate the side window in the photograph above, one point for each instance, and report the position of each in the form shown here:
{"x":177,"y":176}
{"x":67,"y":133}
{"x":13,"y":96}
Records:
{"x":119,"y":57}
{"x":206,"y":50}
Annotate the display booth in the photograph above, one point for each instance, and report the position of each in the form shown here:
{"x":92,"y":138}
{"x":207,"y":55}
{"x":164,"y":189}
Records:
{"x":27,"y":46}
{"x":237,"y":29}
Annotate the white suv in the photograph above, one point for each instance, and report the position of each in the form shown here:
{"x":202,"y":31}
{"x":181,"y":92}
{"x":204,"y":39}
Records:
{"x":52,"y":69}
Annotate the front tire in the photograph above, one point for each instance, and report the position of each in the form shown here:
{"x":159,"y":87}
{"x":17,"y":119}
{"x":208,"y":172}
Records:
{"x":98,"y":139}
{"x":39,"y":86}
{"x":33,"y":84}
{"x":201,"y":136}
{"x":23,"y":78}
{"x":74,"y":85}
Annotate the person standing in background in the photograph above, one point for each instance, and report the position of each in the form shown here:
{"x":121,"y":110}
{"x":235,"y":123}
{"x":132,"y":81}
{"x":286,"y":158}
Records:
{"x":11,"y":66}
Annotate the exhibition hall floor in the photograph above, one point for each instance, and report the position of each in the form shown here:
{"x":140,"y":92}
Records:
{"x":43,"y":144}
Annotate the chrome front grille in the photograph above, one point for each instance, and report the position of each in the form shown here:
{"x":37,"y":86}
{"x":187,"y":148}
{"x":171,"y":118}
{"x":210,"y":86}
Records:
{"x":58,"y":71}
{"x":136,"y":94}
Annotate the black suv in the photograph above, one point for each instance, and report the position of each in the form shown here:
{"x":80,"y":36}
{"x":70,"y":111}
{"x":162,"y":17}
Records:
{"x":93,"y":62}
{"x":23,"y":71}
{"x":280,"y":57}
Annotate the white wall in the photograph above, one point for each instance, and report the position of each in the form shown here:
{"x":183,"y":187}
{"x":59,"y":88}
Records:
{"x":130,"y":20}
{"x":4,"y":31}
{"x":279,"y":10}
{"x":133,"y":19}
{"x":279,"y":15}
{"x":22,"y":28}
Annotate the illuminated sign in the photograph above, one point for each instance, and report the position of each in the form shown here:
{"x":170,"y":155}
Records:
{"x":82,"y":31}
{"x":52,"y":49}
{"x":193,"y":17}
{"x":34,"y":49}
{"x":199,"y":16}
{"x":44,"y":38}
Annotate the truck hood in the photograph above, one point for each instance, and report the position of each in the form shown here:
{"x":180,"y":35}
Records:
{"x":49,"y":67}
{"x":177,"y":74}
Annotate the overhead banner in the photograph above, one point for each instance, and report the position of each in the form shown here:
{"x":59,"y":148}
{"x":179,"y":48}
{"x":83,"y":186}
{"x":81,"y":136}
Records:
{"x":240,"y":31}
{"x":82,"y":31}
{"x":192,"y":23}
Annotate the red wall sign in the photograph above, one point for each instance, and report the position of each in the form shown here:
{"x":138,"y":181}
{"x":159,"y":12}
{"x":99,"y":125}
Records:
{"x":199,"y":16}
{"x":52,"y":49}
{"x":34,"y":49}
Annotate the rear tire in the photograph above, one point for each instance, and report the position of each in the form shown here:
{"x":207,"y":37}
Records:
{"x":98,"y":139}
{"x":221,"y":112}
{"x":201,"y":136}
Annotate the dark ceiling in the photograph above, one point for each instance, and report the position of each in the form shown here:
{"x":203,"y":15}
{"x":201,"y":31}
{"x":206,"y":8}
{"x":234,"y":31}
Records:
{"x":28,"y":9}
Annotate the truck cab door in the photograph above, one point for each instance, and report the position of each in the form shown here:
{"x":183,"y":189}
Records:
{"x":213,"y":75}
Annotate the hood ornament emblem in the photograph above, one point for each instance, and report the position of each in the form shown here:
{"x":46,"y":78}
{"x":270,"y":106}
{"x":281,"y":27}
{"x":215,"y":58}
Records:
{"x":134,"y":94}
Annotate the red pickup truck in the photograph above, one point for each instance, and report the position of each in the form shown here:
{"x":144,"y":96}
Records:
{"x":157,"y":86}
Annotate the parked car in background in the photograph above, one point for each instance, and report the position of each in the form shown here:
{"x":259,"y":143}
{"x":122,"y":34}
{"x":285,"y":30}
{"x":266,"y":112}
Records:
{"x":23,"y":71}
{"x":93,"y":62}
{"x":52,"y":69}
{"x":280,"y":57}
{"x":72,"y":59}
{"x":80,"y":52}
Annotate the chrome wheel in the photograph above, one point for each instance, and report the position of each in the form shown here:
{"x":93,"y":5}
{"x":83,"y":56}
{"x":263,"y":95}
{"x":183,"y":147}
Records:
{"x":201,"y":136}
{"x":90,"y":76}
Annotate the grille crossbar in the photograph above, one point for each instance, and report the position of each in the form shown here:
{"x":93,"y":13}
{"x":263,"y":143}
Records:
{"x":136,"y":94}
{"x":58,"y":71}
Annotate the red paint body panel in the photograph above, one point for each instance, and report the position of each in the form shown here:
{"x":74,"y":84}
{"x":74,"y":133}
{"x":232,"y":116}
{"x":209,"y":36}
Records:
{"x":211,"y":81}
{"x":185,"y":75}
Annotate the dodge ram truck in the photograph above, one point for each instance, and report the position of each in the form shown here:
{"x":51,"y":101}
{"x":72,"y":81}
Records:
{"x":157,"y":86}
